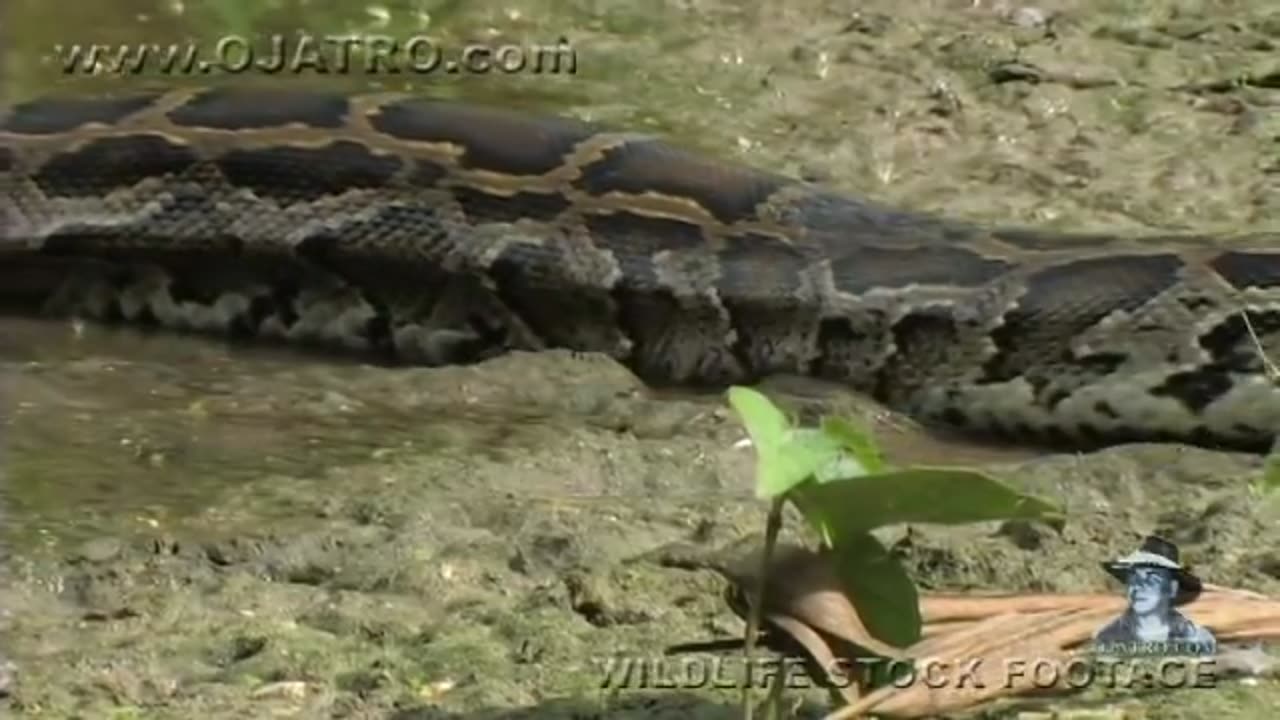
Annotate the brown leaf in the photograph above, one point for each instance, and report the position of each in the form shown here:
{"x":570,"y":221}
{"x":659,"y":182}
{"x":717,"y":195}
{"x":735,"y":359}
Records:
{"x":804,"y":600}
{"x":803,"y":585}
{"x":819,"y":651}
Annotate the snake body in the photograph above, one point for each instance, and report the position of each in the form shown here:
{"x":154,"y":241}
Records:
{"x":431,"y":233}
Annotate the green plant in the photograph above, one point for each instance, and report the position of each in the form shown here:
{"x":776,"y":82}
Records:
{"x":837,"y":478}
{"x":1266,"y":486}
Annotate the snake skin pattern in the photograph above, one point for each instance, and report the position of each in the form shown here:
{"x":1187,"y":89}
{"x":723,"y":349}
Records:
{"x":431,"y":233}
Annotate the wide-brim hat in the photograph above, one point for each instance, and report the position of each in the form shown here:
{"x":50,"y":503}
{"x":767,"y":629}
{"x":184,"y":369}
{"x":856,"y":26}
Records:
{"x":1157,"y":552}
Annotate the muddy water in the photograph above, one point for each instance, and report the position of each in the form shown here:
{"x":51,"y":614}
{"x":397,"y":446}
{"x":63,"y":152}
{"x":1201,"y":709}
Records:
{"x":198,"y":530}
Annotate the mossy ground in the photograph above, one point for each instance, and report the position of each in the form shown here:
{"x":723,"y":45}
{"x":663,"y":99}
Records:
{"x":196,"y":531}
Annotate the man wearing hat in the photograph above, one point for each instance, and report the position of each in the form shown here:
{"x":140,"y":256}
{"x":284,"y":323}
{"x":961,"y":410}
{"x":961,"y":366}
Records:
{"x":1157,"y":582}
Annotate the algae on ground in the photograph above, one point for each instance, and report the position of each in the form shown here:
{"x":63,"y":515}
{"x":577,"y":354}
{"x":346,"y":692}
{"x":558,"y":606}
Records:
{"x":232,"y":533}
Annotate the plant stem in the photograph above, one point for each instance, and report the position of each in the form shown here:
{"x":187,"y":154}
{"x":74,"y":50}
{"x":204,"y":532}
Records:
{"x":773,"y":703}
{"x":773,"y":525}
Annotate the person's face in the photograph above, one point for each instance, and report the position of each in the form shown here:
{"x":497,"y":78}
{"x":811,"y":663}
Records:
{"x":1149,"y":588}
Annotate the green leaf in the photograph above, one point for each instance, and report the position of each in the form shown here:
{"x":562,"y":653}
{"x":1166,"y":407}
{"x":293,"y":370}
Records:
{"x":948,"y":496}
{"x":857,"y":441}
{"x":828,"y":459}
{"x":765,"y":423}
{"x":1268,"y":484}
{"x":818,"y":515}
{"x":1270,"y":481}
{"x":879,"y":588}
{"x":785,"y":456}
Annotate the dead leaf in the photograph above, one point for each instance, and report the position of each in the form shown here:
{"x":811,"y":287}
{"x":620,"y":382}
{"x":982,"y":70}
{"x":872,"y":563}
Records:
{"x":804,"y":600}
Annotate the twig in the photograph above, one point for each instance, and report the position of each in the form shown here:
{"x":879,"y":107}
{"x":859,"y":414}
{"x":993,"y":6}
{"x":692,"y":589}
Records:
{"x":1269,"y":367}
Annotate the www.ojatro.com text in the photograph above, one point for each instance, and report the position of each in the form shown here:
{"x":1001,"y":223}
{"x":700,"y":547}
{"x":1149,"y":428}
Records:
{"x":320,"y":54}
{"x":731,"y":672}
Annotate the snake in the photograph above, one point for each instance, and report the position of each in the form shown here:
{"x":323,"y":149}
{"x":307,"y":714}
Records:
{"x":418,"y":231}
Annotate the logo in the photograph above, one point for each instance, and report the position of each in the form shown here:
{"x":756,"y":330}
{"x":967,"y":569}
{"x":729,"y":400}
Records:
{"x":1151,"y":625}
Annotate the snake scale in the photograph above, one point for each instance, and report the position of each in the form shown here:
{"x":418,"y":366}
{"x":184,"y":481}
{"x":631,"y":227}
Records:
{"x":428,"y":232}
